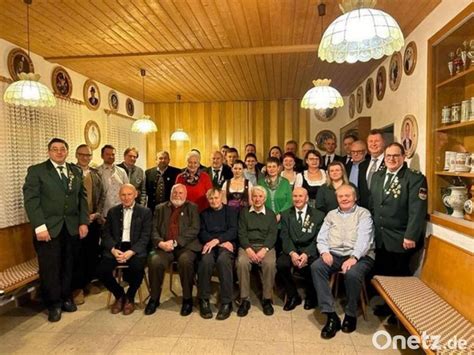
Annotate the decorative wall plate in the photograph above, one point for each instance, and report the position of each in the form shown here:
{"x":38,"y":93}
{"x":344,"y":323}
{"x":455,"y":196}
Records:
{"x":92,"y":134}
{"x":369,"y":92}
{"x":395,"y":71}
{"x":360,"y":99}
{"x":61,"y":82}
{"x":381,"y":83}
{"x":91,"y":95}
{"x":130,"y":106}
{"x":322,"y":136}
{"x":19,"y":62}
{"x":409,"y":135}
{"x":409,"y":58}
{"x":352,"y":106}
{"x":113,"y":100}
{"x":325,"y":114}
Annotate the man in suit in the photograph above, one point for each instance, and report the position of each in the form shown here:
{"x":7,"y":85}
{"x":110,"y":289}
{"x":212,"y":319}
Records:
{"x":292,"y":147}
{"x":56,"y":205}
{"x":125,"y":239}
{"x":135,"y":174}
{"x":160,"y":180}
{"x":175,"y":237}
{"x":251,"y":148}
{"x":330,"y":146}
{"x":232,"y":156}
{"x":219,"y":172}
{"x":299,"y":227}
{"x":346,"y":143}
{"x":358,"y":154}
{"x":398,"y":204}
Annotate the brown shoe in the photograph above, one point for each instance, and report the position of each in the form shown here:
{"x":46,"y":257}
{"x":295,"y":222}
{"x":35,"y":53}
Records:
{"x":128,"y":307}
{"x":93,"y":289}
{"x":78,"y":296}
{"x":117,"y":306}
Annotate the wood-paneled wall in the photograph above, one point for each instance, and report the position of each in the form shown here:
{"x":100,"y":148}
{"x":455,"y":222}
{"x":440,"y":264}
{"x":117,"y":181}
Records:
{"x":235,"y":123}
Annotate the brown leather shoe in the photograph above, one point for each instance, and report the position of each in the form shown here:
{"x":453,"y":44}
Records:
{"x":128,"y":307}
{"x":117,"y":306}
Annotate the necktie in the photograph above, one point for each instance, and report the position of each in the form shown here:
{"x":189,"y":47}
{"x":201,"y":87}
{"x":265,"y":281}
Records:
{"x":388,"y":182}
{"x":63,"y":176}
{"x":328,"y":160}
{"x":372,"y":171}
{"x":160,"y":187}
{"x":215,"y":179}
{"x":300,"y":219}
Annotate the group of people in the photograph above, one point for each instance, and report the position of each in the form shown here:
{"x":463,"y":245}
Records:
{"x":358,"y":214}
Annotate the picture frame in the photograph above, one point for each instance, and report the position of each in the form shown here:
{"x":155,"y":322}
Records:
{"x":325,"y":114}
{"x":409,"y":135}
{"x":360,"y":99}
{"x":19,"y":62}
{"x":381,"y":83}
{"x":130,"y":106}
{"x":369,"y":92}
{"x":113,"y":100}
{"x":61,"y":82}
{"x":91,"y":95}
{"x":92,"y":134}
{"x":322,"y":136}
{"x":395,"y":71}
{"x":352,"y":106}
{"x":409,"y":58}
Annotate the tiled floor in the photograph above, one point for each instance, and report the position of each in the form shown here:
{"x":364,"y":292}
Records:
{"x":92,"y":329}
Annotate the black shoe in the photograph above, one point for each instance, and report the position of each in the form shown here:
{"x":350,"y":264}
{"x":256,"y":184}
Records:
{"x":54,"y":314}
{"x":69,"y":306}
{"x":333,"y":325}
{"x":291,"y":303}
{"x":243,"y":308}
{"x":205,"y":309}
{"x":151,"y":307}
{"x":224,"y":311}
{"x":187,"y":307}
{"x":383,"y":311}
{"x":267,"y":307}
{"x":310,"y":303}
{"x":349,"y":324}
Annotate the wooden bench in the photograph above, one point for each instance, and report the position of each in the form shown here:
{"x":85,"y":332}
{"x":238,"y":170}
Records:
{"x":18,"y":263}
{"x":438,"y":304}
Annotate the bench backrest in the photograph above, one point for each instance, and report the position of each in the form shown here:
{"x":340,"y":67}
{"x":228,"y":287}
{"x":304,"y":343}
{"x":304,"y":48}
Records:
{"x":449,"y":271}
{"x":16,"y":245}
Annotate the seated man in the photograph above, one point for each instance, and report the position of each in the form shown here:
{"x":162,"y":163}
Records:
{"x":299,"y":228}
{"x":218,"y":234}
{"x":174,"y":237}
{"x":257,"y":237}
{"x":125,"y":237}
{"x":346,"y":244}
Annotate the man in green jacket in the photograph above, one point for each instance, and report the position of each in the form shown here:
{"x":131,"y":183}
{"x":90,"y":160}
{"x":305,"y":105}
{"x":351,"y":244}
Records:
{"x":56,"y":204}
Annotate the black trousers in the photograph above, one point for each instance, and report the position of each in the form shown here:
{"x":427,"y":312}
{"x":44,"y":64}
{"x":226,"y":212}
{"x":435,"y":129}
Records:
{"x":55,"y":259}
{"x":133,"y":275}
{"x":159,"y":260}
{"x":86,"y":258}
{"x":284,"y":267}
{"x":388,"y":263}
{"x":223,"y":260}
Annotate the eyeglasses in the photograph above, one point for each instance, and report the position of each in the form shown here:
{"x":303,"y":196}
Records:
{"x":313,"y":159}
{"x":392,"y":156}
{"x":357,"y":151}
{"x":84,"y":155}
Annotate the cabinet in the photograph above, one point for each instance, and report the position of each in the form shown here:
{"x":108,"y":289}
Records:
{"x":444,"y":91}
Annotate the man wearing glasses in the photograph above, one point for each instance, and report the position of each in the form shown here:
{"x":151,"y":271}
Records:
{"x":358,"y":153}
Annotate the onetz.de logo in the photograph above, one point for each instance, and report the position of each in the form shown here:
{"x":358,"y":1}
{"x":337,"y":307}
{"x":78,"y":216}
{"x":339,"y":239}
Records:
{"x":382,"y":340}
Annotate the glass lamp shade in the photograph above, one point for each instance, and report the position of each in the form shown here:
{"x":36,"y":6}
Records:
{"x":361,"y":35}
{"x":28,"y":91}
{"x":144,"y":125}
{"x":179,"y":135}
{"x":322,"y":96}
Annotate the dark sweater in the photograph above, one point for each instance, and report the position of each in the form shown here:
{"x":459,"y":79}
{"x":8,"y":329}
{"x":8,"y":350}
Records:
{"x":220,"y":224}
{"x":257,"y":230}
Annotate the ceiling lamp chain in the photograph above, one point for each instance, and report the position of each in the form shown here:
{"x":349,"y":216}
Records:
{"x":179,"y":135}
{"x":144,"y":124}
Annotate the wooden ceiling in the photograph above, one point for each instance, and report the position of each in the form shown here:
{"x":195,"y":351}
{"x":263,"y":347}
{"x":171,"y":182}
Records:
{"x":206,"y":50}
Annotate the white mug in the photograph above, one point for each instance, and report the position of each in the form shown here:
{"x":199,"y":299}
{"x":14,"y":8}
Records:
{"x":460,"y":164}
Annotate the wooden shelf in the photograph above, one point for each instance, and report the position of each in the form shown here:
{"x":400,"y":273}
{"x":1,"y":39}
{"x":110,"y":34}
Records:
{"x":466,"y":74}
{"x":457,"y":224}
{"x":460,"y":174}
{"x":456,"y":126}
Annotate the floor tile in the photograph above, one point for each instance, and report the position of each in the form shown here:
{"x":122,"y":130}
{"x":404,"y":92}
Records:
{"x":100,"y":343}
{"x":133,"y":344}
{"x":203,"y":346}
{"x":253,"y":347}
{"x":30,"y":342}
{"x":198,"y":327}
{"x":257,"y":326}
{"x":114,"y":323}
{"x":163,"y":323}
{"x":323,"y":348}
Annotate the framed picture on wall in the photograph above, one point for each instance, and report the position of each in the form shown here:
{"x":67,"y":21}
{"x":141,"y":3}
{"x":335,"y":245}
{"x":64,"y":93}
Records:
{"x":113,"y":100}
{"x":322,"y":136}
{"x":19,"y":62}
{"x":61,"y":82}
{"x":352,"y":106}
{"x":92,"y":134}
{"x":395,"y":71}
{"x":409,"y":135}
{"x":130,"y":106}
{"x":325,"y":114}
{"x":381,"y":83}
{"x":409,"y":58}
{"x":369,"y":92}
{"x":91,"y":95}
{"x":360,"y":99}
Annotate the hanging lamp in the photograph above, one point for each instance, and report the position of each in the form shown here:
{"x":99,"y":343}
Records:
{"x":28,"y":91}
{"x":362,"y":33}
{"x":179,"y":135}
{"x":322,"y":96}
{"x":144,"y":124}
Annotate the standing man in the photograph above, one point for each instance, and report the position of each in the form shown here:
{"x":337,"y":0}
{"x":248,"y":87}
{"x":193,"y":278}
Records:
{"x":292,"y":147}
{"x":135,"y":174}
{"x":88,"y":252}
{"x":219,"y":172}
{"x":251,"y":148}
{"x":125,"y":240}
{"x":112,"y":176}
{"x":160,"y":180}
{"x":232,"y":156}
{"x":306,"y":147}
{"x":56,"y":205}
{"x":299,"y":228}
{"x":346,"y":143}
{"x":399,"y":207}
{"x":358,"y":152}
{"x":330,"y":146}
